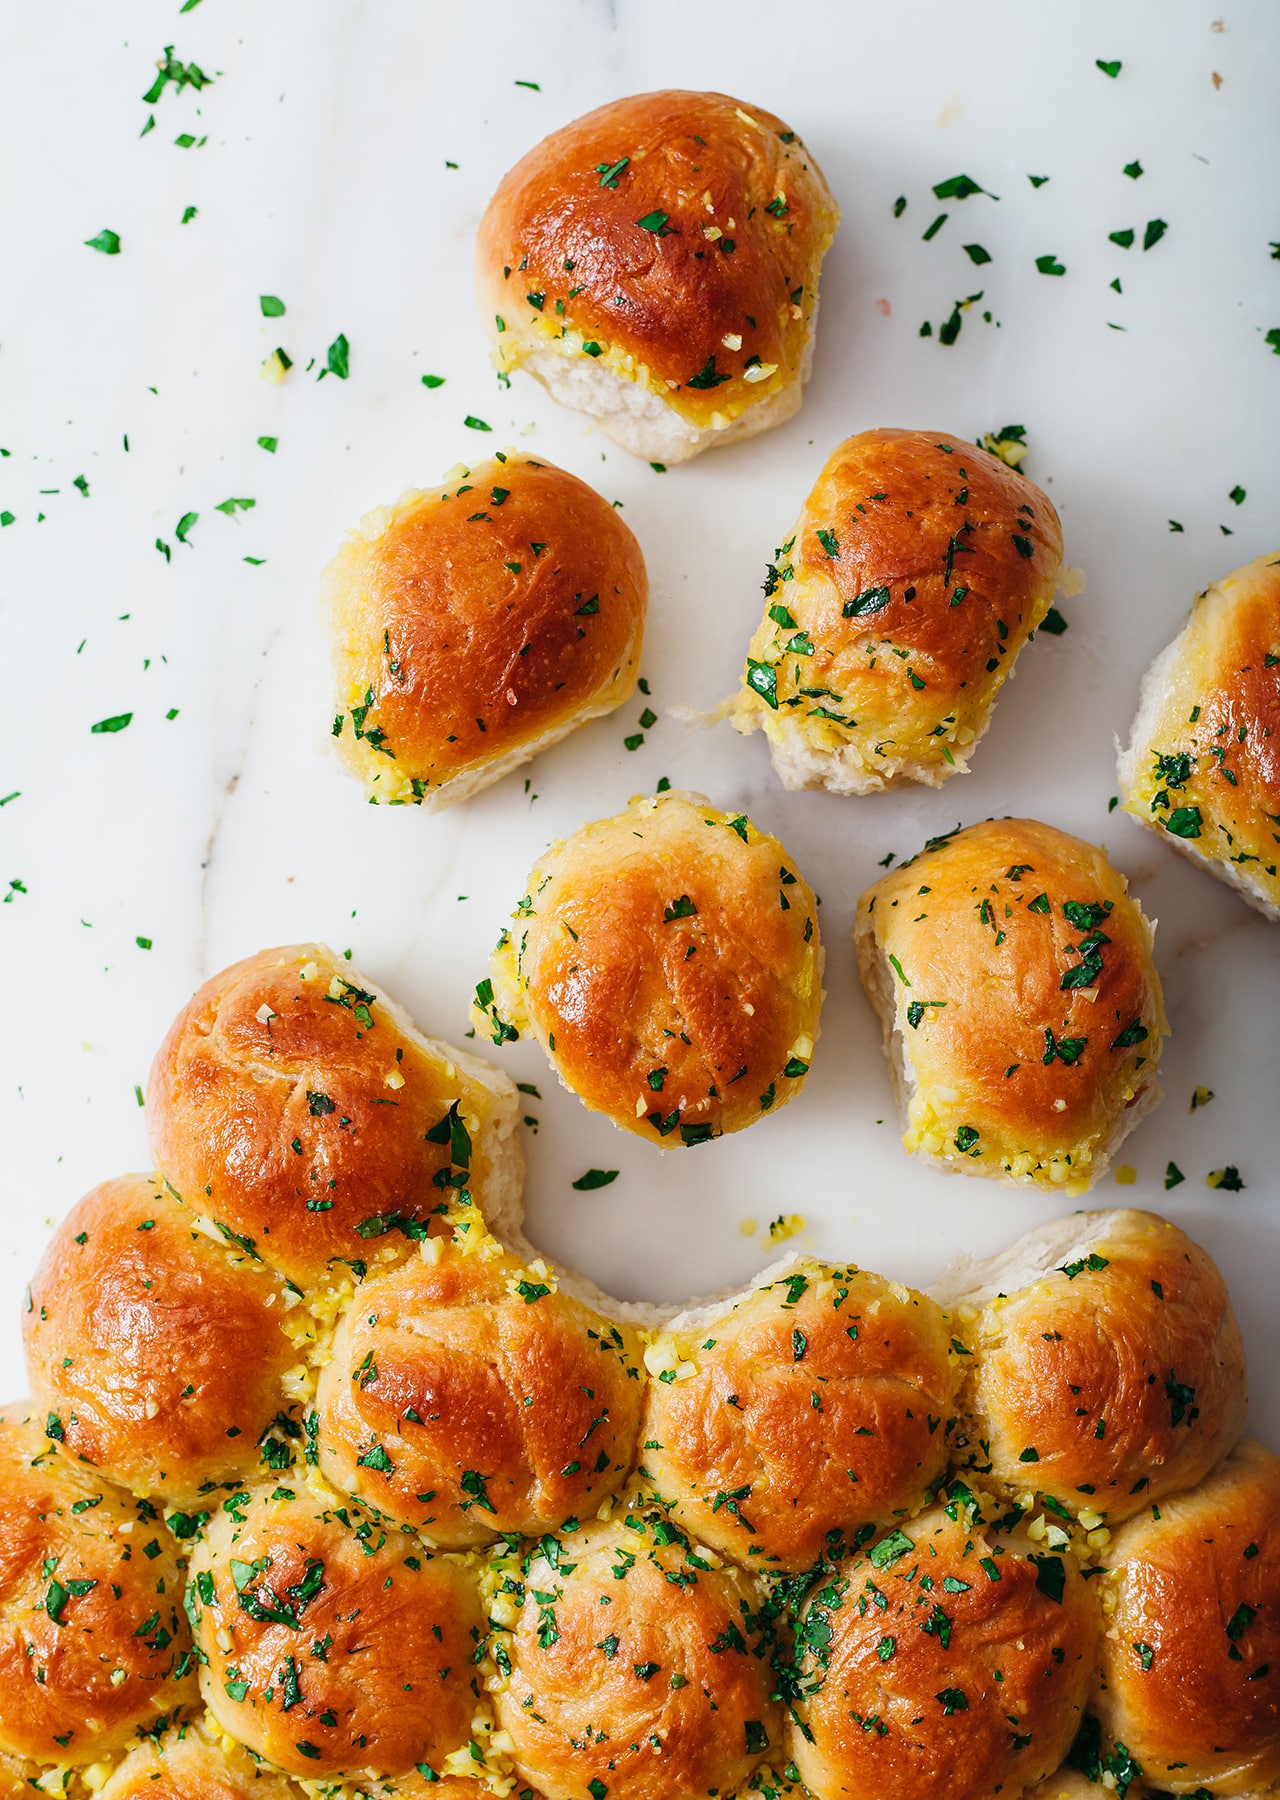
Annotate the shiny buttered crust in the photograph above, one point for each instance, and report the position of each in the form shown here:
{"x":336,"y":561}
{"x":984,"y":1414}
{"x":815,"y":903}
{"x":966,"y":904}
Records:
{"x":1022,"y":1012}
{"x":895,"y":611}
{"x":297,"y":1108}
{"x":330,"y":1642}
{"x":192,"y":1762}
{"x":132,"y":1310}
{"x":948,"y":1659}
{"x":1190,"y":1677}
{"x":1109,"y":1370}
{"x":469,"y":1397}
{"x":634,"y":1664}
{"x":93,"y":1642}
{"x":810,"y":1407}
{"x":656,"y":264}
{"x":474,"y":624}
{"x":668,"y":962}
{"x":1203,"y":763}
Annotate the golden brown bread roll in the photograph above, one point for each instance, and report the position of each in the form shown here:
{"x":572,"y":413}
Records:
{"x":895,"y":611}
{"x":668,"y":962}
{"x":469,"y":1396}
{"x":475,"y":626}
{"x":132,"y":1311}
{"x":814,"y":1405}
{"x":1022,"y":1012}
{"x":330,"y":1641}
{"x":93,"y":1644}
{"x":949,"y":1658}
{"x":192,"y":1762}
{"x":1107,"y":1366}
{"x":296,"y":1107}
{"x":1190,"y":1678}
{"x":630,"y":1665}
{"x":655,"y":264}
{"x":1203,"y":762}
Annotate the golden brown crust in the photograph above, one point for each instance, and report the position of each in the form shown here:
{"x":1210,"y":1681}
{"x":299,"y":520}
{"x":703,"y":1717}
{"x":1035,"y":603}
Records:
{"x":903,"y":1698}
{"x":331,"y":1641}
{"x":916,"y":571}
{"x":816,"y":1404}
{"x":1204,"y":764}
{"x":1190,"y":1678}
{"x":473,"y":624}
{"x":126,"y":1339}
{"x":741,"y":217}
{"x":668,"y":962}
{"x":188,"y":1764}
{"x":1112,"y":1381}
{"x":93,"y":1643}
{"x":1024,"y":1000}
{"x":632,"y":1666}
{"x":470,"y":1397}
{"x":292,"y":1105}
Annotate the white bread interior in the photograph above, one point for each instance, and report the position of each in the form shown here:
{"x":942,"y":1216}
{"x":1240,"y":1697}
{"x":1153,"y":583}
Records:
{"x":639,"y":419}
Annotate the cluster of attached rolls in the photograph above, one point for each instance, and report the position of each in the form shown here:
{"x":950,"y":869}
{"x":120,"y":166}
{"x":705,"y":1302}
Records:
{"x":379,"y":1500}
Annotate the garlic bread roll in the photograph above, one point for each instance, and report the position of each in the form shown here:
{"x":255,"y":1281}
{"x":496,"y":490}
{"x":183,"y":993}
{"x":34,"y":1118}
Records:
{"x":475,"y":624}
{"x":295,"y":1107}
{"x":895,"y":611}
{"x":133,"y":1312}
{"x":94,"y":1646}
{"x":1107,"y":1367}
{"x":668,"y":962}
{"x":469,"y":1396}
{"x":330,"y":1642}
{"x":813,"y":1406}
{"x":950,"y":1658}
{"x":634,"y":1666}
{"x":194,"y":1762}
{"x":1022,"y":1012}
{"x":655,"y":264}
{"x":1190,"y":1677}
{"x":1203,"y":762}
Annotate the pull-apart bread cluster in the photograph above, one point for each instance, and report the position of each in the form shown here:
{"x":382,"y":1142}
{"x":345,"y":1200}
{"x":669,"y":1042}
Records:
{"x":329,"y":1484}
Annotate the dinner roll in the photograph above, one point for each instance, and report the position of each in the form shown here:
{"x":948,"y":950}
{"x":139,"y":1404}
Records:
{"x":192,"y":1762}
{"x":894,"y":612}
{"x":469,"y":1396}
{"x":1190,"y":1690}
{"x":1022,"y":1012}
{"x":668,"y":962}
{"x":655,"y":264}
{"x":1203,"y":762}
{"x":93,"y":1644}
{"x":297,"y":1108}
{"x":476,"y":624}
{"x":806,"y":1409}
{"x":331,"y":1642}
{"x":950,"y":1658}
{"x":1107,"y":1367}
{"x":132,"y":1310}
{"x":631,"y":1664}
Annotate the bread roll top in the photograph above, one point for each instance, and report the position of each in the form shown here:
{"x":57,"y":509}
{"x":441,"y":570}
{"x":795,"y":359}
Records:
{"x":1190,"y":1677}
{"x":668,"y":961}
{"x":673,"y":237}
{"x":161,"y":1346}
{"x":475,"y":621}
{"x":93,"y":1642}
{"x":1015,"y":979}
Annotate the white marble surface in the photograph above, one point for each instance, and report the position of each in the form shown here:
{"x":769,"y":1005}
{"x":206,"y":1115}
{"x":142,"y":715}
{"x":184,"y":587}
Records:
{"x":324,"y":179}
